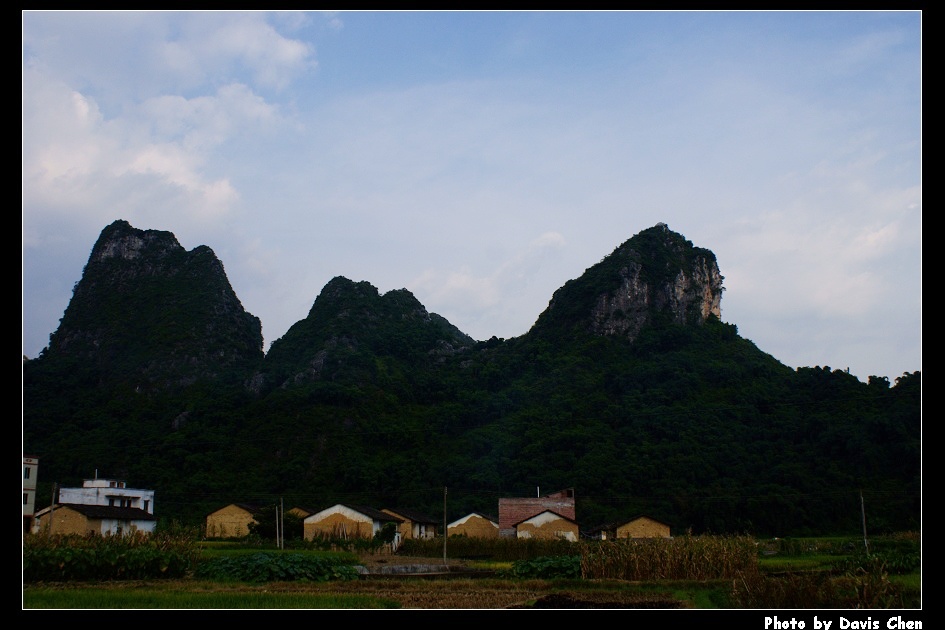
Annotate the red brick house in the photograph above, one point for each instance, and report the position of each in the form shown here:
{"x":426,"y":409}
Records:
{"x":516,"y":510}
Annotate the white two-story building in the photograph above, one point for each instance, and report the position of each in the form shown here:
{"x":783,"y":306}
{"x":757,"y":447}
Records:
{"x":111,"y":492}
{"x":100,"y":506}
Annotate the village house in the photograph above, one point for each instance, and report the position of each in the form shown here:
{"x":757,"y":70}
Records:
{"x":643,"y":527}
{"x":232,"y":521}
{"x":349,"y":521}
{"x":30,"y":471}
{"x":516,"y":510}
{"x":104,"y":506}
{"x":82,"y":519}
{"x":110,"y":492}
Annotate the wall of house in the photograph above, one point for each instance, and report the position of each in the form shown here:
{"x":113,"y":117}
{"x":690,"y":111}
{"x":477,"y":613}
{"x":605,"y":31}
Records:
{"x":406,"y":528}
{"x":66,"y":521}
{"x":547,"y":526}
{"x":412,"y":529}
{"x":473,"y":526}
{"x":30,"y":470}
{"x":515,"y":510}
{"x":643,"y":528}
{"x":342,"y":523}
{"x":231,"y":521}
{"x":424,"y":530}
{"x":123,"y":526}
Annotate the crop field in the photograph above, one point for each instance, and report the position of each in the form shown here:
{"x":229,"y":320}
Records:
{"x":697,"y":572}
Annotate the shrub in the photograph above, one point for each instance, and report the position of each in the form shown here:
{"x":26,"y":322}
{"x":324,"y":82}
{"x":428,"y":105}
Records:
{"x":547,"y":568}
{"x":275,"y":567}
{"x":137,"y":556}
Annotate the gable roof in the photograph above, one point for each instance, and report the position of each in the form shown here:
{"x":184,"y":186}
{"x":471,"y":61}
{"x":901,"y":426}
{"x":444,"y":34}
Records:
{"x":307,"y":511}
{"x":561,"y":516}
{"x":252,"y":508}
{"x":488,"y":517}
{"x":109,"y":511}
{"x":491,"y":519}
{"x":375,"y":514}
{"x":639,"y":516}
{"x":410,"y":515}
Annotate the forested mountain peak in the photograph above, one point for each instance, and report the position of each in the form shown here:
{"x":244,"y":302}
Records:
{"x":629,"y":388}
{"x":153,"y":315}
{"x":349,"y":326}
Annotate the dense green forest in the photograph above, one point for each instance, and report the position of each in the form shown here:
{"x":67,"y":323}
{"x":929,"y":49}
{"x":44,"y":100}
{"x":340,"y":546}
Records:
{"x":372,"y":400}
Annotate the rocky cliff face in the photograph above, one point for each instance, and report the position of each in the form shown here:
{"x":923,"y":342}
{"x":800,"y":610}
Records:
{"x":657,"y":275}
{"x":149,"y":312}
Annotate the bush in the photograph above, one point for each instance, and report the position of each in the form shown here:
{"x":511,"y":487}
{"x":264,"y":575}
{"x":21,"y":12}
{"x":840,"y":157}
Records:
{"x":137,"y":556}
{"x":547,"y":568}
{"x":276,"y":567}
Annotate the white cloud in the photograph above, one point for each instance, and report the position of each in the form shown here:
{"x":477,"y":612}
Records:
{"x":75,"y":158}
{"x":246,"y":38}
{"x":490,"y":303}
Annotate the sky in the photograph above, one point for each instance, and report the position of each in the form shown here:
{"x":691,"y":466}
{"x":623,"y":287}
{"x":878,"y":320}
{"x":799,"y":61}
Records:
{"x":483,"y":159}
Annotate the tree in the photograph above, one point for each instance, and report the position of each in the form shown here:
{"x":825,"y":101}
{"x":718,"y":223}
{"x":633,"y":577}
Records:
{"x":264,"y":526}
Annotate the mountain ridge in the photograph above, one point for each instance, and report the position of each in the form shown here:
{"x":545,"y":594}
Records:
{"x":629,"y":387}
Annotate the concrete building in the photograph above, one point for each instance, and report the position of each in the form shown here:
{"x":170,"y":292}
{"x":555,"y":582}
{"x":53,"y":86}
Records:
{"x":30,"y":471}
{"x":105,"y":506}
{"x":110,"y":492}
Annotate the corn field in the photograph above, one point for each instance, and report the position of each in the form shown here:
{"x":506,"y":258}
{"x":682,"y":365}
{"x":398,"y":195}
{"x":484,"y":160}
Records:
{"x":681,"y":558}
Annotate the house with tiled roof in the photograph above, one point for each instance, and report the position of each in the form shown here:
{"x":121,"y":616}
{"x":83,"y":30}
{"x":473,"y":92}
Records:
{"x":82,"y":519}
{"x":513,"y":510}
{"x":643,"y":527}
{"x":348,"y":521}
{"x":232,"y":521}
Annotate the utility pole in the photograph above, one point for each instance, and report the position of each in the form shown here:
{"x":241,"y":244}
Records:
{"x":277,"y":526}
{"x":866,"y":542}
{"x":52,"y":507}
{"x":281,"y":524}
{"x":444,"y":524}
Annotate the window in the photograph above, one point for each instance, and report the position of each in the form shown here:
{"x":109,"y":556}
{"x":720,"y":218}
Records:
{"x":26,"y":498}
{"x":26,"y":473}
{"x":147,"y":504}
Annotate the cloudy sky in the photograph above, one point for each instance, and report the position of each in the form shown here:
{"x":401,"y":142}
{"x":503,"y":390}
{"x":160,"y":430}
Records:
{"x":481,"y":160}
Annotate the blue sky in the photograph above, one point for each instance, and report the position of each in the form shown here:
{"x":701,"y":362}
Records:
{"x":483,"y":159}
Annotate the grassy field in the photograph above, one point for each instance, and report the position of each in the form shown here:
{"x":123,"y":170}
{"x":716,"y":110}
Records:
{"x":794,"y":574}
{"x":374,"y":593}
